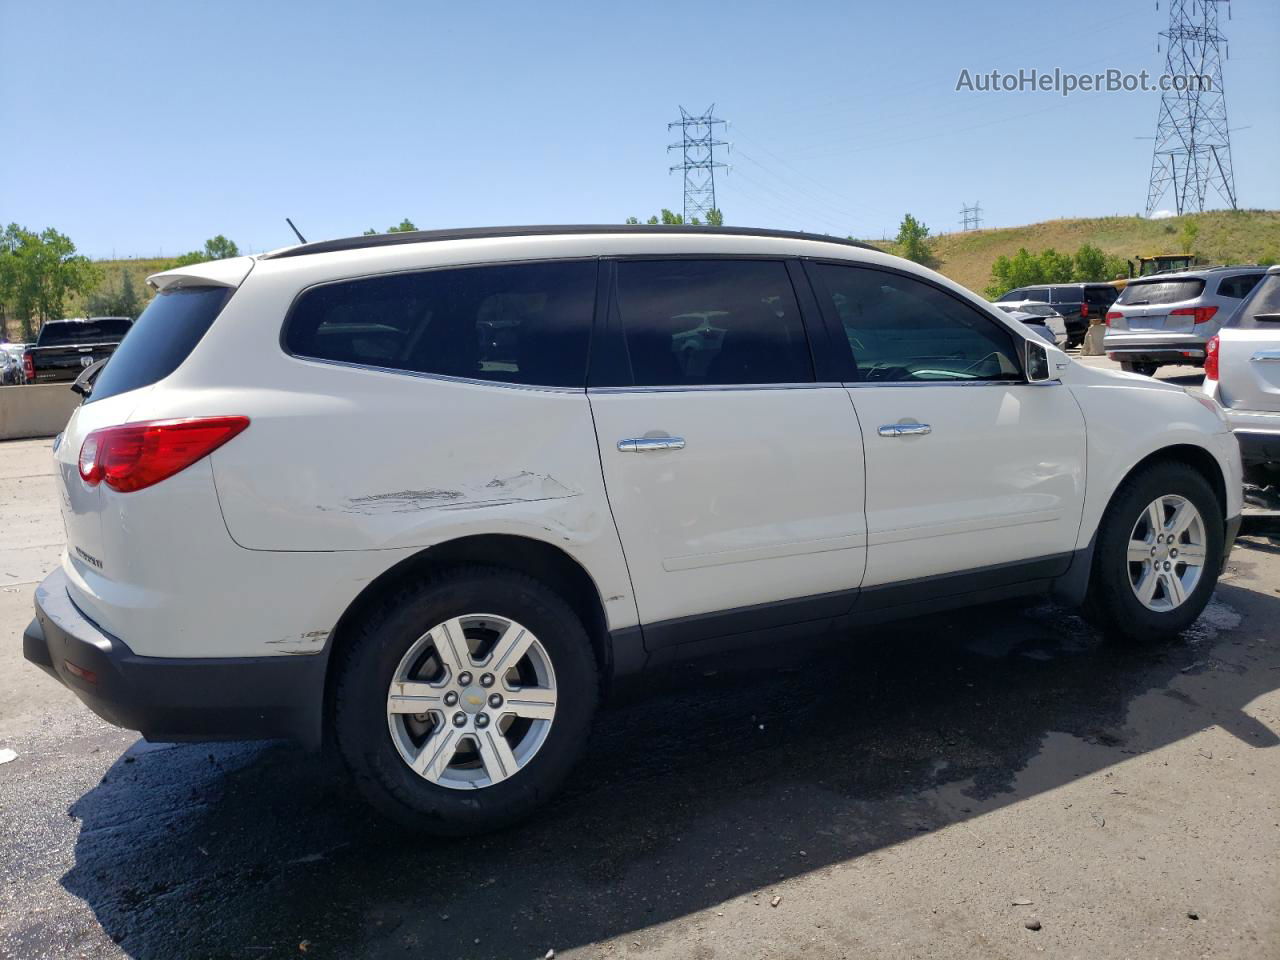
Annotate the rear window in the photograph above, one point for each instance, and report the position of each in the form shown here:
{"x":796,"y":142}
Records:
{"x":1100,"y":296}
{"x":1039,"y":296}
{"x":515,"y":323}
{"x":1067,"y":295}
{"x":160,"y":339}
{"x":56,"y":334}
{"x":1141,"y":292}
{"x":1262,"y":310}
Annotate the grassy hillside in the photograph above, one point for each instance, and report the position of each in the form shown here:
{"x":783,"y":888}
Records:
{"x":138,"y":269}
{"x":1240,"y":236}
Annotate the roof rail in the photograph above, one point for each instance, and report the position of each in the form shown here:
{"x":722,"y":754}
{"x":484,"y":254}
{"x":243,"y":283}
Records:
{"x":486,"y":233}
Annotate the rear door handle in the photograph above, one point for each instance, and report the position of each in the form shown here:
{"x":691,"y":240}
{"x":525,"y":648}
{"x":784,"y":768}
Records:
{"x":649,"y":444}
{"x":905,"y":430}
{"x":1266,"y":356}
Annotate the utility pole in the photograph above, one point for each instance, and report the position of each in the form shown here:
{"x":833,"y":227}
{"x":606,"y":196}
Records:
{"x":970,"y":217}
{"x":1193,"y":144}
{"x":698,"y":161}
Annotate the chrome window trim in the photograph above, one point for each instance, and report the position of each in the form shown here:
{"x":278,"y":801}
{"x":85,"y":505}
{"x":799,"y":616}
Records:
{"x":860,"y":384}
{"x":442,"y":377}
{"x":715,"y":387}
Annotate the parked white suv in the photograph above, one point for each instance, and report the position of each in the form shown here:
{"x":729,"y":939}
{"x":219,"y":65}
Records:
{"x":427,"y":495}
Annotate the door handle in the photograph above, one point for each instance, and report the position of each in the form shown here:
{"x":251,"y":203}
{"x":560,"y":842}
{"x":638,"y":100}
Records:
{"x":905,"y":430}
{"x":648,"y":444}
{"x":1266,"y":356}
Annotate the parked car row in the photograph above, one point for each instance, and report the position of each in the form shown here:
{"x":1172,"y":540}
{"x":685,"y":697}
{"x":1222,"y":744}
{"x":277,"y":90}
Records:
{"x":1045,"y":321}
{"x":1077,"y":303}
{"x":11,"y":372}
{"x":1169,"y":318}
{"x":64,"y":348}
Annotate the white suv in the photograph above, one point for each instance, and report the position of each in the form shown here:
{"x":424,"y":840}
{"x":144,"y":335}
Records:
{"x":428,"y":495}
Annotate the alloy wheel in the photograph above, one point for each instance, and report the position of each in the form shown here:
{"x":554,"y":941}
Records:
{"x":1167,"y":553}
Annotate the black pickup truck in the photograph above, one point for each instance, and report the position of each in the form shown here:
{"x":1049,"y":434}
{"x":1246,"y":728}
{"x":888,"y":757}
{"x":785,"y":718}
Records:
{"x":65,"y":347}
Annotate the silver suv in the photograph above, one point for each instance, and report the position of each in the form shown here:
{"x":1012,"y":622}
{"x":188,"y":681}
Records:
{"x":1168,"y":318}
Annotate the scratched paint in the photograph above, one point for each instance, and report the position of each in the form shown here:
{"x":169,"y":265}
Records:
{"x":525,"y":486}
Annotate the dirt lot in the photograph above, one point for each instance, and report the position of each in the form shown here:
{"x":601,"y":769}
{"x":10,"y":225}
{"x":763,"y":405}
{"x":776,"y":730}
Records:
{"x":926,"y":789}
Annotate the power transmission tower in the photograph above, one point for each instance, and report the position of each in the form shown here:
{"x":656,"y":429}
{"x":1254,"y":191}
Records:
{"x":698,"y":151}
{"x":1193,"y":144}
{"x":971,"y":217}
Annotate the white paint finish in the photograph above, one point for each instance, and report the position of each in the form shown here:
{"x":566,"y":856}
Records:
{"x":765,"y":501}
{"x":1000,"y":477}
{"x":1129,"y":417}
{"x":222,"y":273}
{"x":1245,"y":381}
{"x":343,"y":472}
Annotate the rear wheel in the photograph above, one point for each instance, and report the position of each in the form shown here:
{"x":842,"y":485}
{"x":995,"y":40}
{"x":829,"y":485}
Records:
{"x":463,"y":702}
{"x":1158,"y":554}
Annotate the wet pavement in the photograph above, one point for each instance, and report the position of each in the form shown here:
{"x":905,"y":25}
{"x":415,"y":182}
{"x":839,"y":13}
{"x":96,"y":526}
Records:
{"x":897,"y":791}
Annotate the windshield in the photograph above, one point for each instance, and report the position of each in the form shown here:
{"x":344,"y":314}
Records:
{"x":164,"y":335}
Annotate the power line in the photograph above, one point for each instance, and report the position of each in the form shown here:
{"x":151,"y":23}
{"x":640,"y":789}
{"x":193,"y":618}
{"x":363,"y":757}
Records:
{"x":698,"y":152}
{"x":971,"y":217}
{"x":1192,"y":151}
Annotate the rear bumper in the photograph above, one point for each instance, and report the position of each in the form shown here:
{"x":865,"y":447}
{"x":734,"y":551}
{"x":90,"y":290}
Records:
{"x":1189,"y":354}
{"x":1258,"y":446}
{"x":174,"y":699}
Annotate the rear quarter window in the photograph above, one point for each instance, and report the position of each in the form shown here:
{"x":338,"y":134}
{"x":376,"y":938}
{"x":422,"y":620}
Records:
{"x":1262,"y":309}
{"x":1238,"y":287}
{"x":1154,"y":292}
{"x":160,"y":339}
{"x":526,"y":323}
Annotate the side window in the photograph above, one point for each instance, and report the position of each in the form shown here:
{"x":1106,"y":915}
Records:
{"x":693,"y":322}
{"x":1067,"y":295}
{"x":1040,"y":295}
{"x":517,"y":323}
{"x":1261,"y":312}
{"x":1238,"y":287}
{"x":1013,"y":296}
{"x":902,"y":330}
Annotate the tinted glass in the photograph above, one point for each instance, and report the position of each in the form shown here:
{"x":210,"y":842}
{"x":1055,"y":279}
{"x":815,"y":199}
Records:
{"x":902,"y":330}
{"x":1160,"y":291}
{"x":1040,"y":295}
{"x":1100,"y":296}
{"x":1067,"y":295}
{"x":516,"y":323}
{"x":692,"y":322}
{"x":1262,"y":309}
{"x":1013,"y":296}
{"x":1238,"y":287}
{"x":106,"y":330}
{"x":162,"y":338}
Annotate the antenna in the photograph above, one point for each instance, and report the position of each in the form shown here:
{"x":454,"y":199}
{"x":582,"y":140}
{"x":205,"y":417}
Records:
{"x":296,"y":233}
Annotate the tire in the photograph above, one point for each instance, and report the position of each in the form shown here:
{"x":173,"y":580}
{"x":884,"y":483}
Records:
{"x":460,"y":795}
{"x":1112,"y":602}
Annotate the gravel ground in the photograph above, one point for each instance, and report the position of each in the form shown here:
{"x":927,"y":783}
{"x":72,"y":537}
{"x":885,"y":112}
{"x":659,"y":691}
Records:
{"x":992,"y":783}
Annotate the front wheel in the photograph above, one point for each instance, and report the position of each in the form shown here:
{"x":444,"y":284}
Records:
{"x":1158,"y":554}
{"x":463,"y":702}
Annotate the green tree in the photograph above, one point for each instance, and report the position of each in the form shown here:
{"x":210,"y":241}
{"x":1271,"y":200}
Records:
{"x":1187,"y":238}
{"x":715,"y":218}
{"x":406,"y":226}
{"x":1055,"y":267}
{"x":215,"y":248}
{"x":913,"y":241}
{"x":40,"y":271}
{"x":120,"y":300}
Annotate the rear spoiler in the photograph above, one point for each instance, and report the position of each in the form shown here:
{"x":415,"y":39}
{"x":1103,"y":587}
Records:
{"x":213,"y":273}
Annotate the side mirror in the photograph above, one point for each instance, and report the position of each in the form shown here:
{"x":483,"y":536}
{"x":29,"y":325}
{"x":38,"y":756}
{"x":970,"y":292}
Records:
{"x":1038,"y":363}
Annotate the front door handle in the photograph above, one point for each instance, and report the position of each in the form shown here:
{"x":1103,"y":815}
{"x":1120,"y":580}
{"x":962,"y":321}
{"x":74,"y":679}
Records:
{"x":648,"y":444}
{"x":905,"y":430}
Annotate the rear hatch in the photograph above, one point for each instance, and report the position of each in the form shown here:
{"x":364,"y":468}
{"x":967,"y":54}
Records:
{"x":164,"y":335}
{"x":1151,"y":305}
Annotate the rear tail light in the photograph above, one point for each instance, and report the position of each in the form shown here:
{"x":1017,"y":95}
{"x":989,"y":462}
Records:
{"x":1201,"y":314}
{"x":1084,"y":311}
{"x":1211,"y":359}
{"x":137,"y":455}
{"x":1113,"y":315}
{"x":29,"y":366}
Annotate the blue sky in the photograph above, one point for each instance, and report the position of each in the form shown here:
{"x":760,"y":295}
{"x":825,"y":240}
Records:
{"x":140,"y":128}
